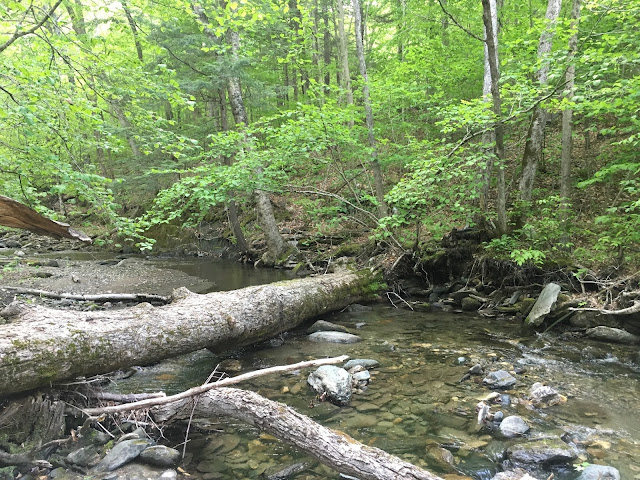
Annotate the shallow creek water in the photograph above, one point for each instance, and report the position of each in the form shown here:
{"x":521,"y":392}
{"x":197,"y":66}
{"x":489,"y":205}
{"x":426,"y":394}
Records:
{"x":415,"y":403}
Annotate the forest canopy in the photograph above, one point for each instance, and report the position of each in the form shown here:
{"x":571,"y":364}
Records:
{"x":401,"y":119}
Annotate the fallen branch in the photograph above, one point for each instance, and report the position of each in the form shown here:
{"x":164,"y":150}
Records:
{"x":100,"y":298}
{"x":126,"y":397}
{"x":210,"y":386}
{"x":16,"y":215}
{"x":635,"y":308}
{"x":335,"y":449}
{"x":11,"y":459}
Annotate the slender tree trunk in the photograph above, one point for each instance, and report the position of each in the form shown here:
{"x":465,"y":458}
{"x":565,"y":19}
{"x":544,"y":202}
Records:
{"x":315,"y":54}
{"x":535,"y":138}
{"x":134,"y":29}
{"x":402,"y":25}
{"x":276,"y":245}
{"x":445,"y":26}
{"x":232,"y":206}
{"x":488,"y":138}
{"x":492,"y":54}
{"x":567,"y":113}
{"x":344,"y":56}
{"x":375,"y":164}
{"x":127,"y":129}
{"x":326,"y":45}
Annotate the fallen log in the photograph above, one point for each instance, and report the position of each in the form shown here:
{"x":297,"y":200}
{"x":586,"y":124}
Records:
{"x":42,"y":345}
{"x":335,"y":449}
{"x":98,"y":298}
{"x":17,"y":215}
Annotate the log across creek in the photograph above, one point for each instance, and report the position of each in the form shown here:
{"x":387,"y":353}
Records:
{"x":40,"y":346}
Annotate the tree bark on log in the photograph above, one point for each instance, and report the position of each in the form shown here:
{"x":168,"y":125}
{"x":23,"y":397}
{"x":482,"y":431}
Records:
{"x":43,"y":345}
{"x":335,"y":449}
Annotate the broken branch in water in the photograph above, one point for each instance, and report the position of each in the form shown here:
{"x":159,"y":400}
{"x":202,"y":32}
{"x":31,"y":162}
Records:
{"x":210,"y":386}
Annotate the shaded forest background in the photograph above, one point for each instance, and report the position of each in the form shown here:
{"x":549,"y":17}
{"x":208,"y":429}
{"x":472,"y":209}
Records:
{"x":383,"y":121}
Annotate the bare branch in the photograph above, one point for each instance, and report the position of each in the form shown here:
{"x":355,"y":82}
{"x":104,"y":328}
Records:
{"x":472,"y":35}
{"x":635,"y":308}
{"x":18,"y":34}
{"x":209,"y":386}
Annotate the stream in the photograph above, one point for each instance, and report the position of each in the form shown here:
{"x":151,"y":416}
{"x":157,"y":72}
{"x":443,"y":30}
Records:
{"x":415,"y":404}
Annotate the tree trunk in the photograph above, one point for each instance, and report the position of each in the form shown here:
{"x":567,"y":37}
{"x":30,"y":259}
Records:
{"x":326,"y":46}
{"x":375,"y":164}
{"x":344,"y":57}
{"x":276,"y":245}
{"x":488,"y":137}
{"x":41,"y":345}
{"x":127,"y":130}
{"x":492,"y":54}
{"x":535,"y":138}
{"x":567,"y":113}
{"x":332,"y":448}
{"x":134,"y":29}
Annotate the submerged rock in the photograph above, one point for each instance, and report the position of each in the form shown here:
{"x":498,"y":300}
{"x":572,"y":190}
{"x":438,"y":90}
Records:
{"x":542,"y":451}
{"x":356,"y":307}
{"x":334,"y":337}
{"x":513,"y":426}
{"x":599,"y":472}
{"x":136,"y":471}
{"x":517,"y":474}
{"x":543,"y":396}
{"x":364,"y":362}
{"x":544,"y":304}
{"x":499,"y":379}
{"x":332,"y":383}
{"x":615,"y":335}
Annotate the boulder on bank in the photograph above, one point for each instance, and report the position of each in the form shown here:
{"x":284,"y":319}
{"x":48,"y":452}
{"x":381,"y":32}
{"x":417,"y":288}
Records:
{"x":546,"y":301}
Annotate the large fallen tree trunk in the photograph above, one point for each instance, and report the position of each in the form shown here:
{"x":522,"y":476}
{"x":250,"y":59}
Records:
{"x":16,"y":215}
{"x":336,"y":449}
{"x":42,"y":345}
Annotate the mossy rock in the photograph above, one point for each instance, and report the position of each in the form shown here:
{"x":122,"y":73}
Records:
{"x":348,"y":250}
{"x":510,"y":309}
{"x":526,"y":304}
